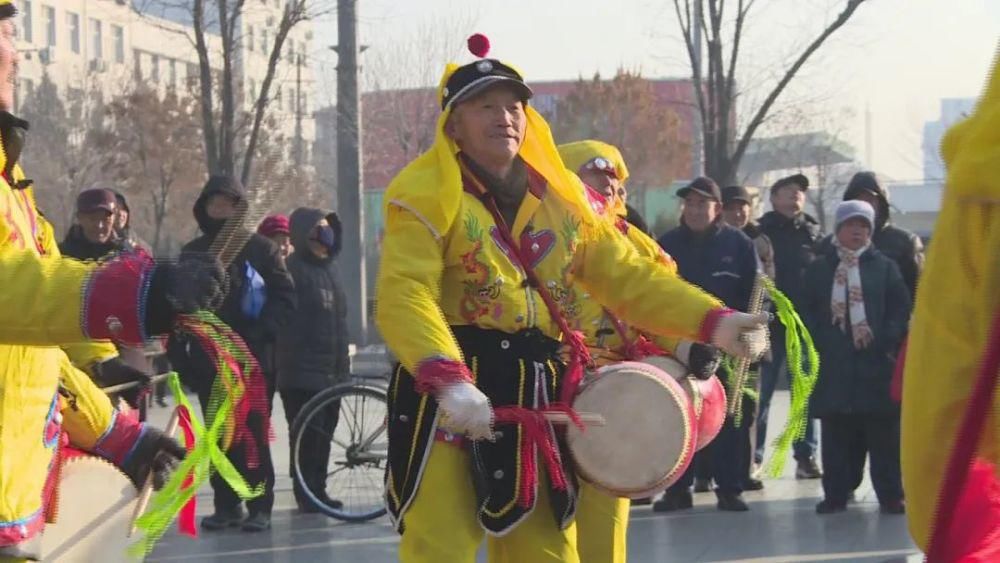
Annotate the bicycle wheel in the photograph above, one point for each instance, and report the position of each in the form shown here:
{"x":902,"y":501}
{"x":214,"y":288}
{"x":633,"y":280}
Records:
{"x":359,"y":445}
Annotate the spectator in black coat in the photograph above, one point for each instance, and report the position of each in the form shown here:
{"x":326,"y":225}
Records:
{"x":93,"y":236}
{"x":793,"y":235}
{"x":721,"y":260}
{"x":260,"y":301}
{"x":313,"y":348}
{"x":857,"y":308}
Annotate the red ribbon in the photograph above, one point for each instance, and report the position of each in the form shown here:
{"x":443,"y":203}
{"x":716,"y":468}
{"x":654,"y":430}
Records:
{"x":185,"y":523}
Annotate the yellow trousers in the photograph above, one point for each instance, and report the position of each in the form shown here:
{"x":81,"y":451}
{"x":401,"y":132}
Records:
{"x":601,"y":526}
{"x":441,"y":523}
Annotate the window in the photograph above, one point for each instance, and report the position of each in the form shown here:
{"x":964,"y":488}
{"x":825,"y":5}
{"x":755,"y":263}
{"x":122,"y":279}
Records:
{"x":26,"y":33}
{"x":118,"y":36}
{"x":173,"y":73}
{"x":250,"y":39}
{"x":305,"y":103}
{"x":302,"y":50}
{"x":154,"y":68}
{"x":291,"y":100}
{"x":137,"y":60}
{"x":49,"y":14}
{"x":291,"y":52}
{"x":263,"y":41}
{"x":73,"y":21}
{"x":96,"y":39}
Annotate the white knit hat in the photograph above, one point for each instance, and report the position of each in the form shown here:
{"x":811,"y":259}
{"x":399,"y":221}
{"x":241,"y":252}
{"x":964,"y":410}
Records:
{"x":855,"y":208}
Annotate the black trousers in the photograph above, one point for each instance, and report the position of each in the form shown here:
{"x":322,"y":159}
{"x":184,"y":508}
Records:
{"x":225,"y":498}
{"x":315,"y":447}
{"x":846,"y":440}
{"x":726,"y":459}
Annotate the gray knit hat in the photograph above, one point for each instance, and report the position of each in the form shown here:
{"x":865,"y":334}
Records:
{"x":855,"y":208}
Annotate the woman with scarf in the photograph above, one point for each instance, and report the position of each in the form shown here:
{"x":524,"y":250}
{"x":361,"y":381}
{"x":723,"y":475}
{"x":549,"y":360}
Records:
{"x":857,"y":308}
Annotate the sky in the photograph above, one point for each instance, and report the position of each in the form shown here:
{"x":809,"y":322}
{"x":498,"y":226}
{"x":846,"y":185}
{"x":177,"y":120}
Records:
{"x":895,"y":60}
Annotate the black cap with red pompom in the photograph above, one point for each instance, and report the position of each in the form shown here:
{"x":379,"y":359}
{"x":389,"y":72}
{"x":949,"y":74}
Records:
{"x":475,"y":77}
{"x":8,"y":10}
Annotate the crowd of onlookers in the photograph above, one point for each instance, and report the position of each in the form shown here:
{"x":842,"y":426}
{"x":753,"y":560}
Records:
{"x":853,"y":289}
{"x":286,"y":302}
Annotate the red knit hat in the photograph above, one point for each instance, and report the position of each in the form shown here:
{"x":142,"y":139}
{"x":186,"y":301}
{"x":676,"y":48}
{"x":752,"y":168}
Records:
{"x":274,"y":225}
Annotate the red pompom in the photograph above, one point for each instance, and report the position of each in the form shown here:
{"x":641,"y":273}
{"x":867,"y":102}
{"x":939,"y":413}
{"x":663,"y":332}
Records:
{"x":479,"y":45}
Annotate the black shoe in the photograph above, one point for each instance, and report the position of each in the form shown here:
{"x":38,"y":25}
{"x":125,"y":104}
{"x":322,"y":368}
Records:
{"x":752,"y":484}
{"x":807,"y":469}
{"x":642,"y":501}
{"x":731,"y":502}
{"x":702,"y":485}
{"x":851,"y":497}
{"x":161,"y":401}
{"x":672,"y":501}
{"x":223,"y":519}
{"x":892,"y":507}
{"x":258,"y":522}
{"x":827,"y":506}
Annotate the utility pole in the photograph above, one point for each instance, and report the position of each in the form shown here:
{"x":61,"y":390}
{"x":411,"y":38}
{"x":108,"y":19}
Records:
{"x":699,"y":134}
{"x":297,"y":149}
{"x":350,"y":185}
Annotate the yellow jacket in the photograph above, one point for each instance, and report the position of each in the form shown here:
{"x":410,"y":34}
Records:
{"x":41,"y":308}
{"x":958,"y":295}
{"x":443,"y":265}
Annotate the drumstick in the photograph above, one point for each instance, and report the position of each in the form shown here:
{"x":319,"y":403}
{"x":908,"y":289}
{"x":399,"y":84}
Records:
{"x":132,"y":384}
{"x":588,"y":418}
{"x":147,"y":488}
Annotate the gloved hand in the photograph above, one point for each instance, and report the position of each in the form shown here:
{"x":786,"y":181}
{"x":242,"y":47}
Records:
{"x":465,"y":410}
{"x":742,"y":335}
{"x":197,"y":281}
{"x":154,"y":452}
{"x":116,"y":372}
{"x":702,"y":360}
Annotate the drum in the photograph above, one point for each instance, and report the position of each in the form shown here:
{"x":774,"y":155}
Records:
{"x":647,"y":441}
{"x":93,"y":516}
{"x":708,"y":398}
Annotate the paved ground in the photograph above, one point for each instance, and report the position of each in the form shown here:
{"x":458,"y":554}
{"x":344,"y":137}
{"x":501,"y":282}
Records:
{"x":780,"y":528}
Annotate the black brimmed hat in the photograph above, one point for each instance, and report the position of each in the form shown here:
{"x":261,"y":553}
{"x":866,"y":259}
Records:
{"x":471,"y":79}
{"x":703,"y":186}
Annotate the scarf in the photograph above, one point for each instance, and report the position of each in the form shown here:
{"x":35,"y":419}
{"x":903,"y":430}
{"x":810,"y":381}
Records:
{"x":847,"y":293}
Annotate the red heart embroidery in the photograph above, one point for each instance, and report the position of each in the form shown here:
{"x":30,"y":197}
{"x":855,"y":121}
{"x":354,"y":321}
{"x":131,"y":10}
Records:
{"x":535,"y":246}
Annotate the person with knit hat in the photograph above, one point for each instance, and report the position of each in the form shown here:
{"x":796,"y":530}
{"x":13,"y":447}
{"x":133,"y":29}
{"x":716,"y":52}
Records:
{"x":490,"y":245}
{"x":856,"y":307}
{"x":276,"y":228}
{"x":46,"y":402}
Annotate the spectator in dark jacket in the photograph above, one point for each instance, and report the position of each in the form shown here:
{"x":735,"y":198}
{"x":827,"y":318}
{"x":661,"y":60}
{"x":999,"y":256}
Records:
{"x":902,"y":246}
{"x":793,"y":235}
{"x":312,"y":349}
{"x":857,"y":308}
{"x":260,"y":301}
{"x":721,"y":260}
{"x":123,"y":226}
{"x":93,"y":236}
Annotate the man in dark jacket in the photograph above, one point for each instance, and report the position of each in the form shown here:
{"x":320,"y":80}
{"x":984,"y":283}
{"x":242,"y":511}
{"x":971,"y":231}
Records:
{"x":260,"y":300}
{"x":856,"y":307}
{"x":312,"y":349}
{"x":722,"y":261}
{"x":93,"y":235}
{"x":793,"y":234}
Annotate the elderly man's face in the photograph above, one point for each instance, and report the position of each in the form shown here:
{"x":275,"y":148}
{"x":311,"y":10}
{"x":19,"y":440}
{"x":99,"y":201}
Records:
{"x":98,"y":226}
{"x":736,"y":213}
{"x":788,"y":200}
{"x":605,"y":184}
{"x":489,"y":127}
{"x":9,"y":59}
{"x":699,"y":212}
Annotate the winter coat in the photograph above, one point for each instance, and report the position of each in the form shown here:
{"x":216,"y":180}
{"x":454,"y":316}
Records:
{"x":721,"y":261}
{"x":793,"y":241}
{"x":312,"y":349}
{"x":855,"y":381}
{"x":76,"y":245}
{"x":260,"y":333}
{"x":765,"y":250}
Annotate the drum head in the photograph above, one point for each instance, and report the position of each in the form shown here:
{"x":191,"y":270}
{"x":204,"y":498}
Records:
{"x":94,"y":514}
{"x":648,"y":439}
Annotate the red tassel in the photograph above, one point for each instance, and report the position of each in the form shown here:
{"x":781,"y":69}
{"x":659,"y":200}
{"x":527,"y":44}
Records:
{"x":185,"y":523}
{"x":479,"y":45}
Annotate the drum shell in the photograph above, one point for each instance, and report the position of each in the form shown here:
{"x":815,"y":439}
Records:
{"x":648,"y":440}
{"x":708,"y":398}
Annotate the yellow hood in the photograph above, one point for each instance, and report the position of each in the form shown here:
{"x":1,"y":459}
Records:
{"x":430,"y":187}
{"x":578,"y":153}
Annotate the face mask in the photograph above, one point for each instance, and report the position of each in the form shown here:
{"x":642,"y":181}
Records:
{"x":326,"y":237}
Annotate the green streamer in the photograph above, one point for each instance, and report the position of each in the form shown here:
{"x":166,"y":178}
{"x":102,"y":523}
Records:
{"x":802,"y":380}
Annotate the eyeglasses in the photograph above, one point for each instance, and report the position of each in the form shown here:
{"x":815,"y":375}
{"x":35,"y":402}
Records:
{"x":601,"y":164}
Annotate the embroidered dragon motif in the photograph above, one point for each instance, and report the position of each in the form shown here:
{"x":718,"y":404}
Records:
{"x":479,"y":290}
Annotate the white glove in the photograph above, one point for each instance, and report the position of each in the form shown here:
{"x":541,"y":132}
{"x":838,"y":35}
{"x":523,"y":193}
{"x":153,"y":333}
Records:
{"x":465,"y":410}
{"x":742,"y":335}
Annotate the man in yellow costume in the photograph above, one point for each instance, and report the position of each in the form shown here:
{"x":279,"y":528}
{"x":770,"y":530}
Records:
{"x":490,"y":247}
{"x":48,"y":302}
{"x":950,"y":439}
{"x":602,"y":519}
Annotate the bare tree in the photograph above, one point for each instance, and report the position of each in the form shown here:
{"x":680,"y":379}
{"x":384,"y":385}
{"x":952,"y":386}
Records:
{"x":716,"y":91}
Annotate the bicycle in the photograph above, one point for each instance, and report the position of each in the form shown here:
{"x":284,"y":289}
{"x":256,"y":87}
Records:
{"x":359,"y":446}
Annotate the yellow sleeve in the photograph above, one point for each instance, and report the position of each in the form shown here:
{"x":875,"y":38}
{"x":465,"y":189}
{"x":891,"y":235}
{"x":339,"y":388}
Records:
{"x":641,"y":292}
{"x":86,"y":354}
{"x":42,"y":299}
{"x":87,"y":412}
{"x":408,"y":292}
{"x":651,"y":249}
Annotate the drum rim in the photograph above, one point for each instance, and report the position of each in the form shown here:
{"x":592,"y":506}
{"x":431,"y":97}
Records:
{"x":690,"y":430}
